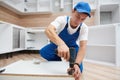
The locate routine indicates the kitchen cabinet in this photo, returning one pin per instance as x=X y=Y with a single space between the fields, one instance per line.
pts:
x=17 y=38
x=28 y=6
x=42 y=6
x=102 y=2
x=103 y=44
x=14 y=5
x=109 y=13
x=35 y=38
x=5 y=38
x=12 y=38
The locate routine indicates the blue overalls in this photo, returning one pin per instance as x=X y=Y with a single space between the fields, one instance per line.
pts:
x=48 y=52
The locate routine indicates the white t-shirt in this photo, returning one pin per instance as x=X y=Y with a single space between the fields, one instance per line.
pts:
x=60 y=23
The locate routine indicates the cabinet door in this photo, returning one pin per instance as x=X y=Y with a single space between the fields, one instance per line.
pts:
x=30 y=5
x=15 y=5
x=5 y=38
x=44 y=6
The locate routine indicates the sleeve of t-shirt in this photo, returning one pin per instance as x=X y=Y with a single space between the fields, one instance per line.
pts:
x=59 y=23
x=84 y=32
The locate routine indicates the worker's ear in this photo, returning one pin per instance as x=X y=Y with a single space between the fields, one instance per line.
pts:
x=73 y=10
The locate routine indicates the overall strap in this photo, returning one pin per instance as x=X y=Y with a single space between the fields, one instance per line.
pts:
x=79 y=27
x=67 y=22
x=67 y=18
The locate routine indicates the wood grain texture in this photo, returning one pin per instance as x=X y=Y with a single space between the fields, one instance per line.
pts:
x=34 y=20
x=45 y=19
x=9 y=16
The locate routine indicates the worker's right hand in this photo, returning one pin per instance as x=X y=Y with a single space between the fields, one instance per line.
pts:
x=63 y=51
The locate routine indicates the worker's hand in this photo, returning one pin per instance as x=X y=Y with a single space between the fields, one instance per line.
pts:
x=77 y=72
x=63 y=51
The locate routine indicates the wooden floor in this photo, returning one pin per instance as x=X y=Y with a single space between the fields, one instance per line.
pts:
x=91 y=71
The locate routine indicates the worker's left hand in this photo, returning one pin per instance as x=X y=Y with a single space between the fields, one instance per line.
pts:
x=77 y=72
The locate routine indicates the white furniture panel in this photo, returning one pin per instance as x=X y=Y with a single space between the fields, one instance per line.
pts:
x=18 y=38
x=117 y=45
x=27 y=70
x=28 y=6
x=109 y=1
x=101 y=53
x=22 y=38
x=109 y=13
x=38 y=6
x=102 y=35
x=5 y=38
x=30 y=68
x=103 y=44
x=12 y=38
x=13 y=77
x=14 y=5
x=44 y=6
x=35 y=39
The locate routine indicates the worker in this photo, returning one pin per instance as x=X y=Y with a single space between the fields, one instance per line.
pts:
x=65 y=32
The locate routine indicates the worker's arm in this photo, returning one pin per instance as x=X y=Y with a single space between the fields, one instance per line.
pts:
x=81 y=51
x=63 y=50
x=79 y=58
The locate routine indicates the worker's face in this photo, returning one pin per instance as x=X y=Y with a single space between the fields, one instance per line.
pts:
x=77 y=18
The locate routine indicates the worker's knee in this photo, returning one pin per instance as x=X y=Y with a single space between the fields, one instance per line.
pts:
x=49 y=56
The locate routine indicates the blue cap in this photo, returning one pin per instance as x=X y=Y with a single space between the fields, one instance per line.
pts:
x=83 y=7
